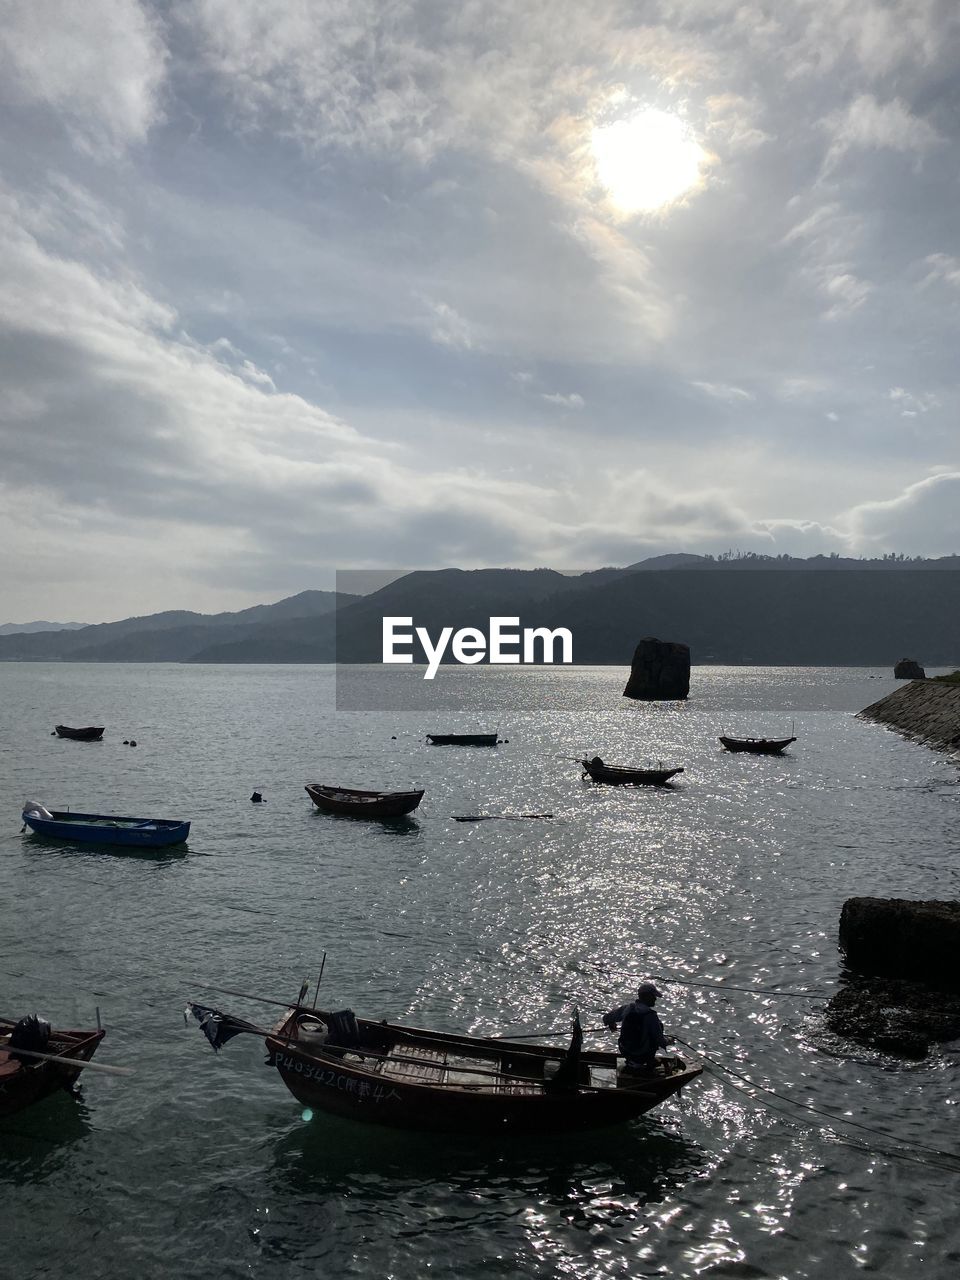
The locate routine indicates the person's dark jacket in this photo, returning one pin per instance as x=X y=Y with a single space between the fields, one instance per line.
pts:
x=641 y=1032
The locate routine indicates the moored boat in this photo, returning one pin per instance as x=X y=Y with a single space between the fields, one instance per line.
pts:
x=351 y=803
x=463 y=739
x=412 y=1078
x=621 y=775
x=99 y=828
x=756 y=746
x=91 y=733
x=26 y=1079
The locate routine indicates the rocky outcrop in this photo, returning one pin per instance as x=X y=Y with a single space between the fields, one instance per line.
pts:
x=659 y=672
x=902 y=938
x=892 y=1016
x=904 y=991
x=907 y=669
x=927 y=711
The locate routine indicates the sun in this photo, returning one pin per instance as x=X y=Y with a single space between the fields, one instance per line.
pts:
x=647 y=161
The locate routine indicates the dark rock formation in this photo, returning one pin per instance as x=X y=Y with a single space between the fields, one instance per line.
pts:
x=894 y=1016
x=660 y=671
x=906 y=991
x=907 y=669
x=896 y=937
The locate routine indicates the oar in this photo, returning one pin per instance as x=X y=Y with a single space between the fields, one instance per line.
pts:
x=72 y=1063
x=497 y=817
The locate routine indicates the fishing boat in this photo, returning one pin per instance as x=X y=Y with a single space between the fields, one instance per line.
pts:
x=463 y=739
x=352 y=803
x=92 y=733
x=100 y=828
x=756 y=746
x=412 y=1078
x=620 y=775
x=39 y=1072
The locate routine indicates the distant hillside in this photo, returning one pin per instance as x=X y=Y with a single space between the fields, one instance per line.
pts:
x=728 y=612
x=733 y=609
x=173 y=636
x=30 y=628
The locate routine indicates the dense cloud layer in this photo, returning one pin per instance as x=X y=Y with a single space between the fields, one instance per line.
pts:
x=288 y=286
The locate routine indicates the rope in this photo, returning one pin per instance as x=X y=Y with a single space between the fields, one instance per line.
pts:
x=722 y=1069
x=712 y=986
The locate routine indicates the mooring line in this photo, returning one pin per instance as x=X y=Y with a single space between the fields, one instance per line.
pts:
x=839 y=1121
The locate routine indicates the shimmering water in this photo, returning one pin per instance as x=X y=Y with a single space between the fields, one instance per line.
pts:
x=202 y=1166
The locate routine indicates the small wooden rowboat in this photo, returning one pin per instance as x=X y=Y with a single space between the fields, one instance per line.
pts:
x=92 y=733
x=412 y=1078
x=618 y=775
x=463 y=739
x=99 y=828
x=363 y=804
x=756 y=746
x=26 y=1080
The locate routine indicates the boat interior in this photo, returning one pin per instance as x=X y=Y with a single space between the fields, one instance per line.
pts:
x=411 y=1056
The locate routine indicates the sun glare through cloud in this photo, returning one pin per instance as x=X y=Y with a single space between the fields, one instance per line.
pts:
x=647 y=161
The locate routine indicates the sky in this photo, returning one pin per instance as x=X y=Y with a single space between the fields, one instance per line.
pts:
x=287 y=287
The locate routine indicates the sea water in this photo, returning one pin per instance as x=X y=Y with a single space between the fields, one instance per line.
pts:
x=201 y=1165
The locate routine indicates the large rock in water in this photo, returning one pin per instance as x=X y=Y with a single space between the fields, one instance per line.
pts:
x=907 y=669
x=659 y=672
x=906 y=988
x=901 y=938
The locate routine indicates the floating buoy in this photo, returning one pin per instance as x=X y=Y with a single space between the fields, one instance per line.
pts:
x=257 y=798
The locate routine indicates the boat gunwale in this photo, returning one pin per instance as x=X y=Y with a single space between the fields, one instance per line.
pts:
x=332 y=792
x=660 y=1087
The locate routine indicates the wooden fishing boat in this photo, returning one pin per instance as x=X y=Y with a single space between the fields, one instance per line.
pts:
x=363 y=804
x=100 y=828
x=620 y=775
x=756 y=746
x=413 y=1078
x=25 y=1080
x=92 y=733
x=463 y=739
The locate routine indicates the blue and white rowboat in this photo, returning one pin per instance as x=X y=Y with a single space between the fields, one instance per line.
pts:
x=99 y=828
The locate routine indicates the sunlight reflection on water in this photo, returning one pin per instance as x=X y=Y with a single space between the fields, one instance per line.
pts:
x=734 y=877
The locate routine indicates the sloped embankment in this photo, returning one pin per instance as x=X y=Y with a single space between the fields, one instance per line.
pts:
x=926 y=710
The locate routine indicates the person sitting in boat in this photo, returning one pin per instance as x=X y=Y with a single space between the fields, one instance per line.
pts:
x=641 y=1031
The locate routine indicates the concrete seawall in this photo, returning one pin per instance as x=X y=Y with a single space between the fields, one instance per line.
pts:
x=924 y=710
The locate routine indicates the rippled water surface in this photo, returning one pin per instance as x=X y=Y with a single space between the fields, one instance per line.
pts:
x=202 y=1166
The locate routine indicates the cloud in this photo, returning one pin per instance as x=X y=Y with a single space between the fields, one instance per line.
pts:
x=572 y=401
x=100 y=66
x=871 y=125
x=923 y=520
x=285 y=284
x=942 y=267
x=448 y=328
x=911 y=405
x=721 y=391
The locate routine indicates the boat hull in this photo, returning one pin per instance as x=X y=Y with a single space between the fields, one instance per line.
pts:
x=341 y=1083
x=92 y=733
x=23 y=1083
x=349 y=803
x=757 y=746
x=463 y=739
x=618 y=777
x=93 y=828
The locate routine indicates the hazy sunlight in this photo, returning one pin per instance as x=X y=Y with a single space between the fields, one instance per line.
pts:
x=647 y=161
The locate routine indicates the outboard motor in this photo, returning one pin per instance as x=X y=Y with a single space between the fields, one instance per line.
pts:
x=31 y=1032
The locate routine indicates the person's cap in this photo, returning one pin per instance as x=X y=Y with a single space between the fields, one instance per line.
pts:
x=646 y=990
